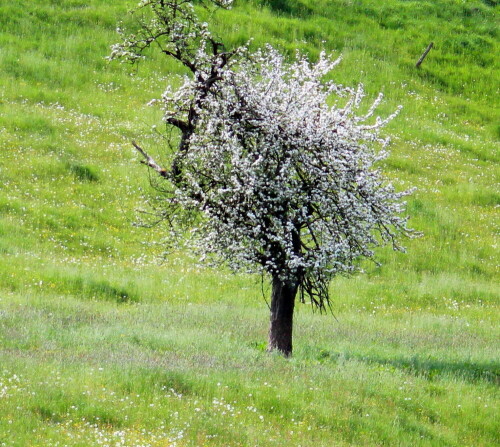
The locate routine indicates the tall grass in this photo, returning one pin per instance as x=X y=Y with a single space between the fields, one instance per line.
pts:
x=99 y=338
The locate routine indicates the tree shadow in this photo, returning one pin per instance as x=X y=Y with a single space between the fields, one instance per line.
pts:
x=428 y=368
x=288 y=8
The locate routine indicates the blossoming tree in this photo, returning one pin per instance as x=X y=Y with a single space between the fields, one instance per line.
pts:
x=277 y=174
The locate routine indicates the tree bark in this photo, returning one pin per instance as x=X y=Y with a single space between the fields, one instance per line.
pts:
x=282 y=305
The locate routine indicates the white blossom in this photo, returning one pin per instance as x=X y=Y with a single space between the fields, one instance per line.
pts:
x=270 y=161
x=275 y=171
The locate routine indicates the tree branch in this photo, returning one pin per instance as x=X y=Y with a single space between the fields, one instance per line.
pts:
x=180 y=124
x=149 y=161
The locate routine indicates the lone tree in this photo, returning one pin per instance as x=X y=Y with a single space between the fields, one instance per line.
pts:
x=269 y=177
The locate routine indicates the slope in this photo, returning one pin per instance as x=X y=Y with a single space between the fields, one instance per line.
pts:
x=90 y=317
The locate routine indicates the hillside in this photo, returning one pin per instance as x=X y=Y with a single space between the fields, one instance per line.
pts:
x=99 y=338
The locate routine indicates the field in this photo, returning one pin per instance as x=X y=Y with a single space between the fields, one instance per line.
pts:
x=105 y=341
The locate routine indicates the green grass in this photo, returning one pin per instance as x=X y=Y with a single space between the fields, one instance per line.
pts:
x=99 y=339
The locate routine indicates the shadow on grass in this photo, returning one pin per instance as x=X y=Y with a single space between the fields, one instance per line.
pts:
x=98 y=289
x=57 y=413
x=82 y=172
x=427 y=368
x=291 y=8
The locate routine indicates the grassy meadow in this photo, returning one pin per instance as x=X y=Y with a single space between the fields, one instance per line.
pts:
x=105 y=342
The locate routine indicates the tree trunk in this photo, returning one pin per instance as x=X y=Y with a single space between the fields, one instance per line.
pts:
x=282 y=304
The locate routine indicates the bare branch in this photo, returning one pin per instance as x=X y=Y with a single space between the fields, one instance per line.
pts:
x=149 y=161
